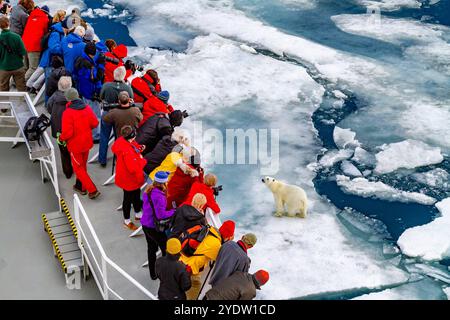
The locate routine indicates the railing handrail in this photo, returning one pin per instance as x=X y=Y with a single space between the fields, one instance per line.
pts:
x=105 y=258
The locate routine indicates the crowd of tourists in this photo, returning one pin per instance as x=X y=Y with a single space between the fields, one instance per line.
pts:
x=94 y=95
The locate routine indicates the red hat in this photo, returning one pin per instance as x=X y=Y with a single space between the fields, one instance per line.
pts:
x=227 y=229
x=262 y=276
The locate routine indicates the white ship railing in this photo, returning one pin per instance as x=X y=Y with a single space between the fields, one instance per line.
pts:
x=101 y=266
x=22 y=108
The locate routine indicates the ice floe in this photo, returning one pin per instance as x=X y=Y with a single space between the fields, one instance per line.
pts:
x=369 y=189
x=407 y=154
x=345 y=138
x=422 y=290
x=435 y=178
x=349 y=169
x=430 y=241
x=364 y=157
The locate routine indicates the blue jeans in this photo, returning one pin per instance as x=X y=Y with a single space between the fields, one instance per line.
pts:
x=95 y=106
x=105 y=135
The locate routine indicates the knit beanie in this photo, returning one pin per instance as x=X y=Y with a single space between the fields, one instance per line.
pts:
x=164 y=96
x=227 y=229
x=249 y=239
x=71 y=94
x=45 y=8
x=262 y=276
x=162 y=176
x=89 y=35
x=173 y=246
x=90 y=49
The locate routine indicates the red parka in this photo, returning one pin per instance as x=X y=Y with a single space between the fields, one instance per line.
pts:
x=120 y=52
x=179 y=186
x=35 y=29
x=199 y=187
x=153 y=106
x=78 y=120
x=130 y=164
x=141 y=88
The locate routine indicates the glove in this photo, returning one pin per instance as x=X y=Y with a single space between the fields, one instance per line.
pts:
x=61 y=143
x=194 y=173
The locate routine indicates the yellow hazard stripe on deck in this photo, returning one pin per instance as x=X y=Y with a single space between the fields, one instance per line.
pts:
x=66 y=211
x=53 y=240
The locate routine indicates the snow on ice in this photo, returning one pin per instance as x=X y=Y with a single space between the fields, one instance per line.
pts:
x=408 y=154
x=431 y=241
x=365 y=188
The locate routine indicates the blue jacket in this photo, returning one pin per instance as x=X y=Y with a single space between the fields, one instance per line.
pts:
x=73 y=48
x=101 y=47
x=54 y=45
x=88 y=74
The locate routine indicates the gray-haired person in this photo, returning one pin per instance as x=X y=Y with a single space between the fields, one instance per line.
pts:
x=56 y=106
x=110 y=95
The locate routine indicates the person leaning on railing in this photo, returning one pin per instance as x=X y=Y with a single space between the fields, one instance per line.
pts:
x=12 y=53
x=155 y=203
x=110 y=95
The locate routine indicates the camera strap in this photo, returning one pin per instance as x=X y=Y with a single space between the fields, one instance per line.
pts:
x=8 y=48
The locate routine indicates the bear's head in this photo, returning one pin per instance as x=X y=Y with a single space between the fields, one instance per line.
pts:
x=270 y=182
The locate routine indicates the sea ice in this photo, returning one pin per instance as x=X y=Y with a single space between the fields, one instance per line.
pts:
x=426 y=289
x=345 y=138
x=334 y=156
x=364 y=157
x=434 y=178
x=407 y=154
x=368 y=189
x=431 y=241
x=349 y=169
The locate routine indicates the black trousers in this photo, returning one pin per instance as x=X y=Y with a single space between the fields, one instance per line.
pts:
x=66 y=162
x=154 y=239
x=131 y=198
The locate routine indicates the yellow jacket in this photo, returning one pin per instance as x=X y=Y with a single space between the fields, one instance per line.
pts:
x=169 y=164
x=207 y=251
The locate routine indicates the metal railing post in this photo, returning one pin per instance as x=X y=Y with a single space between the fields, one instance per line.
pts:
x=105 y=279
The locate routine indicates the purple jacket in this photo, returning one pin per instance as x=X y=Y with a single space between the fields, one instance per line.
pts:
x=160 y=203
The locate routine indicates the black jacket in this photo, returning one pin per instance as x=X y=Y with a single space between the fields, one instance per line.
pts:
x=238 y=286
x=52 y=81
x=153 y=130
x=186 y=217
x=157 y=156
x=174 y=279
x=56 y=106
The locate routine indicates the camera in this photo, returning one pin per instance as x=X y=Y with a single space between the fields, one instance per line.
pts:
x=104 y=58
x=185 y=114
x=130 y=65
x=217 y=190
x=5 y=7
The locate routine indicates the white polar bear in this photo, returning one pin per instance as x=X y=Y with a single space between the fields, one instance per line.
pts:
x=292 y=196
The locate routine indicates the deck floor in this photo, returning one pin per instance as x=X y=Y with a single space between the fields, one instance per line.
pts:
x=28 y=269
x=128 y=253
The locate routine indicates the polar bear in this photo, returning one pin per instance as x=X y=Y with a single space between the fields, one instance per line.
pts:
x=292 y=196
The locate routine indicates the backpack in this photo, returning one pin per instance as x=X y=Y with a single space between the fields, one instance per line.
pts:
x=160 y=225
x=35 y=127
x=192 y=237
